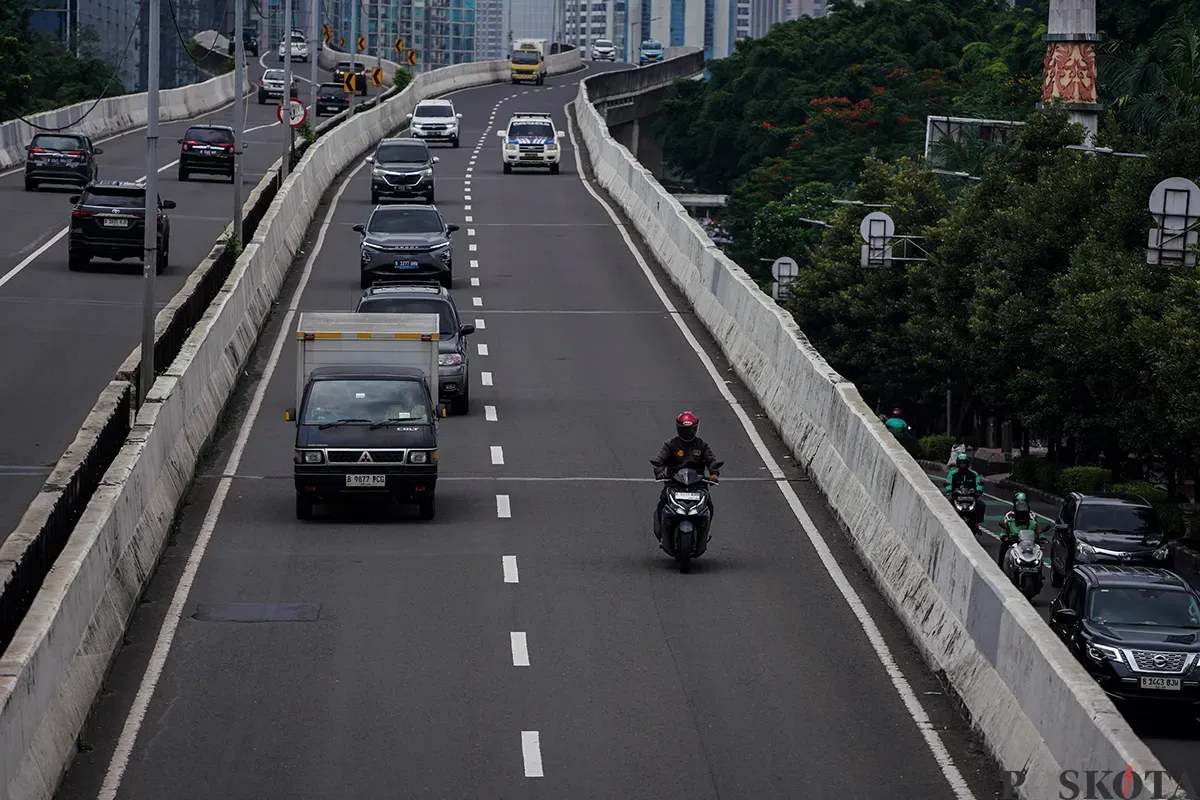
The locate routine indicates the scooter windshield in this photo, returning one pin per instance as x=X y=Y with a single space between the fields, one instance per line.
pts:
x=688 y=477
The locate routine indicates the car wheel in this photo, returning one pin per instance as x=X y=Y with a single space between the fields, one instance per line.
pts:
x=261 y=100
x=183 y=174
x=447 y=280
x=427 y=507
x=163 y=258
x=1056 y=580
x=459 y=406
x=364 y=281
x=304 y=507
x=30 y=186
x=429 y=198
x=554 y=169
x=78 y=260
x=455 y=141
x=508 y=169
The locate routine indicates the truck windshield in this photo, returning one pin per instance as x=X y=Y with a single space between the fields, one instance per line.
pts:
x=525 y=57
x=371 y=399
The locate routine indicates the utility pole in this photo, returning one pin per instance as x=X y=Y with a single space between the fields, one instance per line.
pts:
x=150 y=232
x=286 y=100
x=353 y=51
x=314 y=50
x=379 y=34
x=239 y=116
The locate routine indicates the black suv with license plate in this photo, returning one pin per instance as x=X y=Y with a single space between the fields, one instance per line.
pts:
x=60 y=158
x=108 y=221
x=207 y=149
x=331 y=99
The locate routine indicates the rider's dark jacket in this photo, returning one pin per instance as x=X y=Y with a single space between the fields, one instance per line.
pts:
x=676 y=454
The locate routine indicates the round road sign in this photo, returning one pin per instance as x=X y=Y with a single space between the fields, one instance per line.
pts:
x=785 y=268
x=297 y=113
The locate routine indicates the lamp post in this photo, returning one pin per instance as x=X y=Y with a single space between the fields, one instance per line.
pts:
x=150 y=228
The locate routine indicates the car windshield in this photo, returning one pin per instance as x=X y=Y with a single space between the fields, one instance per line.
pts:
x=1132 y=606
x=57 y=143
x=434 y=111
x=603 y=43
x=447 y=325
x=415 y=153
x=405 y=220
x=1107 y=518
x=373 y=400
x=114 y=198
x=525 y=57
x=273 y=75
x=651 y=44
x=538 y=130
x=331 y=90
x=209 y=136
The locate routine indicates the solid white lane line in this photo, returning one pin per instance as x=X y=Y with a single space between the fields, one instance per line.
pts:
x=477 y=302
x=489 y=413
x=531 y=750
x=480 y=325
x=503 y=507
x=485 y=378
x=474 y=264
x=510 y=569
x=483 y=349
x=932 y=740
x=497 y=454
x=474 y=281
x=162 y=647
x=520 y=648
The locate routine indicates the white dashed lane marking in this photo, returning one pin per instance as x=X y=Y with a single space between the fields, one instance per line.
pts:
x=510 y=569
x=503 y=508
x=483 y=349
x=497 y=454
x=520 y=649
x=477 y=302
x=485 y=378
x=531 y=749
x=489 y=413
x=474 y=281
x=479 y=325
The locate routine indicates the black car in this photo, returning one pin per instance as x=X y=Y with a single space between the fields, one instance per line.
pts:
x=60 y=158
x=108 y=221
x=406 y=240
x=430 y=297
x=1136 y=630
x=402 y=169
x=366 y=432
x=343 y=67
x=206 y=149
x=331 y=99
x=1106 y=528
x=249 y=42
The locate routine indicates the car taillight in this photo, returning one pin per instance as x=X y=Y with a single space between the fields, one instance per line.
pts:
x=76 y=153
x=82 y=212
x=37 y=151
x=260 y=83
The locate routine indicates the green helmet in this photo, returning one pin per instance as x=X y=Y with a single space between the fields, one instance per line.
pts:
x=1020 y=498
x=962 y=460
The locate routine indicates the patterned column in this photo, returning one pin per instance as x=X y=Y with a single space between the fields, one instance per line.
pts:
x=1069 y=71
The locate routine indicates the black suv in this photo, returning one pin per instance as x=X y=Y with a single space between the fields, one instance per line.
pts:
x=1106 y=528
x=249 y=42
x=109 y=220
x=406 y=240
x=60 y=158
x=1136 y=630
x=343 y=67
x=402 y=168
x=207 y=149
x=331 y=99
x=429 y=297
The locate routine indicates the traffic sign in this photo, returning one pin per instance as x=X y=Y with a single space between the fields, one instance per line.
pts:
x=350 y=82
x=377 y=76
x=342 y=42
x=412 y=58
x=296 y=112
x=362 y=43
x=328 y=37
x=398 y=45
x=785 y=268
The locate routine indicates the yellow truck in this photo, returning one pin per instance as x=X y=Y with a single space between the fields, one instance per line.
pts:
x=527 y=61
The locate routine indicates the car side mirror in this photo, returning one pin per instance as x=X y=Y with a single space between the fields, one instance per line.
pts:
x=467 y=329
x=289 y=415
x=408 y=116
x=74 y=199
x=441 y=410
x=451 y=228
x=168 y=204
x=98 y=152
x=436 y=159
x=1061 y=527
x=179 y=141
x=559 y=134
x=370 y=159
x=500 y=134
x=360 y=228
x=1066 y=616
x=458 y=116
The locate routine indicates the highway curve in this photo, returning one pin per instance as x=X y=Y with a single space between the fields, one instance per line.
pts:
x=63 y=334
x=391 y=668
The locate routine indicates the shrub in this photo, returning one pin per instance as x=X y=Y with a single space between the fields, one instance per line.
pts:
x=1084 y=479
x=1152 y=493
x=1025 y=469
x=936 y=447
x=1048 y=474
x=401 y=78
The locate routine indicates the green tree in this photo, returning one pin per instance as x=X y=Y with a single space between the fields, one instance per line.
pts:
x=1155 y=81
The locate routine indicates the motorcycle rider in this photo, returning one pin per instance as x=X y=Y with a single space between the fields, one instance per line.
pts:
x=1019 y=519
x=896 y=425
x=963 y=476
x=685 y=450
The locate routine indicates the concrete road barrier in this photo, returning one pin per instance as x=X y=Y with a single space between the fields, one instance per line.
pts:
x=113 y=115
x=1037 y=708
x=52 y=671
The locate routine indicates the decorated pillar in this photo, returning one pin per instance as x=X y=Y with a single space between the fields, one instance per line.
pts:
x=1069 y=71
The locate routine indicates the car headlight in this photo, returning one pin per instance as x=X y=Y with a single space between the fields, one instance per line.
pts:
x=427 y=172
x=1084 y=549
x=367 y=255
x=1161 y=553
x=449 y=359
x=1102 y=652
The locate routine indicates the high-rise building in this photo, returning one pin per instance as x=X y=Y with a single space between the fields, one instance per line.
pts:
x=491 y=33
x=442 y=32
x=532 y=19
x=714 y=25
x=599 y=19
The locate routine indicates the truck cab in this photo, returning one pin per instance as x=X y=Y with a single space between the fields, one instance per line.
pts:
x=367 y=415
x=527 y=62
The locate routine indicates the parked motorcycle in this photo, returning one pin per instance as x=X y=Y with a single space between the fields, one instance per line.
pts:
x=1023 y=564
x=964 y=501
x=686 y=516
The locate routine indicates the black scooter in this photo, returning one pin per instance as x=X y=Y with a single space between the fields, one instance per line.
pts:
x=687 y=516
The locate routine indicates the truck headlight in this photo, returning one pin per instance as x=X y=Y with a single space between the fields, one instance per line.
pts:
x=512 y=147
x=449 y=359
x=309 y=457
x=551 y=147
x=418 y=457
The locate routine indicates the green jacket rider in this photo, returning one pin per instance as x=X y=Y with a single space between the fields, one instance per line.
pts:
x=963 y=475
x=1019 y=519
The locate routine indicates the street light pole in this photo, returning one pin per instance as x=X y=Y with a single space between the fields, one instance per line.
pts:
x=314 y=52
x=239 y=115
x=286 y=100
x=353 y=50
x=150 y=228
x=379 y=33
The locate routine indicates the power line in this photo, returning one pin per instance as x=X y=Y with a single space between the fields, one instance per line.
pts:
x=179 y=33
x=103 y=92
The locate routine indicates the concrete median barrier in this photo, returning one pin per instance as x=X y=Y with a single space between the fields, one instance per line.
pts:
x=113 y=115
x=51 y=672
x=1037 y=709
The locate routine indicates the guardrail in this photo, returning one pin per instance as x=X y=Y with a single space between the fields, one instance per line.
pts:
x=1037 y=708
x=53 y=667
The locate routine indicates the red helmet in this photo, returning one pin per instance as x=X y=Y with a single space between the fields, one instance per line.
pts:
x=686 y=424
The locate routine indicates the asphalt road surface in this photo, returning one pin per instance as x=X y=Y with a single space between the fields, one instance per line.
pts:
x=531 y=641
x=63 y=334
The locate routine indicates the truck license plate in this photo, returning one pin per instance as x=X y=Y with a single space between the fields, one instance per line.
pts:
x=406 y=265
x=357 y=481
x=1172 y=684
